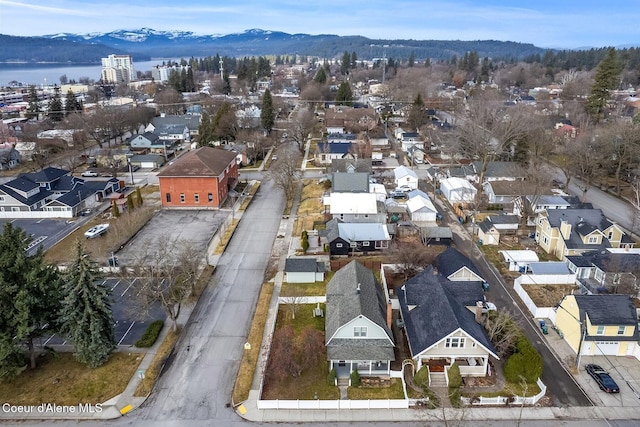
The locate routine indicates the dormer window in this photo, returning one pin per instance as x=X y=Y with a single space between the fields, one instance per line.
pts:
x=359 y=331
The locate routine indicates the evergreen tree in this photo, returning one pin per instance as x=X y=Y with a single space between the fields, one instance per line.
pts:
x=344 y=64
x=418 y=113
x=33 y=110
x=606 y=79
x=321 y=76
x=138 y=197
x=55 y=108
x=412 y=59
x=114 y=209
x=226 y=87
x=29 y=300
x=71 y=104
x=267 y=115
x=130 y=204
x=86 y=314
x=344 y=96
x=205 y=131
x=354 y=59
x=427 y=63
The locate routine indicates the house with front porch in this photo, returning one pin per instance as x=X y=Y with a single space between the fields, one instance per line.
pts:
x=440 y=329
x=358 y=323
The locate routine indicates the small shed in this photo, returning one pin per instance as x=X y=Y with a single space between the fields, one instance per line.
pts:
x=520 y=260
x=488 y=234
x=303 y=270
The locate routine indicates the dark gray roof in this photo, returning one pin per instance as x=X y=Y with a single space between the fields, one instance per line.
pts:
x=485 y=225
x=350 y=182
x=549 y=267
x=344 y=165
x=192 y=121
x=579 y=260
x=583 y=222
x=501 y=169
x=609 y=262
x=466 y=293
x=48 y=174
x=451 y=260
x=504 y=219
x=607 y=309
x=361 y=349
x=303 y=265
x=22 y=183
x=345 y=303
x=436 y=232
x=431 y=313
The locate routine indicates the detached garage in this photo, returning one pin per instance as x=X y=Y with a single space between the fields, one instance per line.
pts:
x=303 y=270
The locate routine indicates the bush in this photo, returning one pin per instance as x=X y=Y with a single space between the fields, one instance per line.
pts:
x=151 y=334
x=304 y=235
x=305 y=245
x=331 y=377
x=355 y=379
x=455 y=379
x=421 y=378
x=454 y=397
x=525 y=363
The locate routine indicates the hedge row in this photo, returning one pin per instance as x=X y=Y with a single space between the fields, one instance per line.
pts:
x=151 y=334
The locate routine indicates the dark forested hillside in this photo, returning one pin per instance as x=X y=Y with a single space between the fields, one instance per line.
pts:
x=40 y=49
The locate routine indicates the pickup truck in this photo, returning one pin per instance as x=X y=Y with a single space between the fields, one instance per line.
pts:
x=89 y=174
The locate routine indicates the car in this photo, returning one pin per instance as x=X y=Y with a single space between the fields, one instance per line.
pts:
x=404 y=188
x=488 y=306
x=397 y=194
x=602 y=377
x=96 y=231
x=89 y=173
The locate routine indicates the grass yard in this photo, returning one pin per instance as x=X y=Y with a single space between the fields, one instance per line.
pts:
x=60 y=379
x=226 y=237
x=303 y=289
x=548 y=295
x=312 y=382
x=151 y=374
x=510 y=389
x=310 y=208
x=250 y=357
x=394 y=391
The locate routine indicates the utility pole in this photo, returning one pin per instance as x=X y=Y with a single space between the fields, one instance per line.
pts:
x=221 y=69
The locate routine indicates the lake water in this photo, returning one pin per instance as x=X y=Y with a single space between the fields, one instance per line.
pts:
x=39 y=74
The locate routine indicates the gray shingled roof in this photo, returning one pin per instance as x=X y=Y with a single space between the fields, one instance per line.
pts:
x=431 y=313
x=303 y=265
x=204 y=161
x=345 y=303
x=354 y=182
x=607 y=309
x=501 y=170
x=451 y=260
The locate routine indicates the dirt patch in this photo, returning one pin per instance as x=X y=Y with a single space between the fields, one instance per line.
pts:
x=548 y=295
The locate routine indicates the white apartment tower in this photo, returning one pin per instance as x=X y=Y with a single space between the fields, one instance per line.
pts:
x=118 y=68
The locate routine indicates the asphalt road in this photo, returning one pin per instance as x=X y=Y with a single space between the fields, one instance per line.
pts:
x=196 y=387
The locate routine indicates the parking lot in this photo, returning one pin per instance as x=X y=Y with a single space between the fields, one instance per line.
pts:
x=625 y=371
x=45 y=232
x=130 y=322
x=196 y=227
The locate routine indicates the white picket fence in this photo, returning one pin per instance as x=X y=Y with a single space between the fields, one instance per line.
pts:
x=501 y=400
x=334 y=404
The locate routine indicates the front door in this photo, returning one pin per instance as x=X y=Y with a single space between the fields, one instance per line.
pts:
x=437 y=365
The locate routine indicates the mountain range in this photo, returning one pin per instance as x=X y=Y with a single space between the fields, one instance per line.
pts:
x=146 y=43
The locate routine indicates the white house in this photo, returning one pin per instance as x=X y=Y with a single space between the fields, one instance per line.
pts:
x=405 y=176
x=519 y=260
x=458 y=190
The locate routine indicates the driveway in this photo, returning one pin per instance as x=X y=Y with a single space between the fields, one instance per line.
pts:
x=194 y=226
x=624 y=370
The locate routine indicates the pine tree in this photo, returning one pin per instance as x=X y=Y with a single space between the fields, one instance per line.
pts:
x=344 y=64
x=29 y=300
x=114 y=208
x=130 y=205
x=321 y=76
x=267 y=115
x=86 y=314
x=606 y=79
x=33 y=110
x=55 y=108
x=344 y=96
x=412 y=59
x=70 y=102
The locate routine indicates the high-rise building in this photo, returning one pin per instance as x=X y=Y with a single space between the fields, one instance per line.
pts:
x=118 y=69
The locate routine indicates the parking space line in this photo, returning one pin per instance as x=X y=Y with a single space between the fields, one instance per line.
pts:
x=114 y=286
x=50 y=338
x=125 y=334
x=125 y=291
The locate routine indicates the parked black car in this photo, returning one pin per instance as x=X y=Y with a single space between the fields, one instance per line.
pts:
x=602 y=377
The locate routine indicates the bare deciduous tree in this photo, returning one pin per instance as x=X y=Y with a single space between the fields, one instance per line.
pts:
x=285 y=171
x=165 y=273
x=282 y=356
x=292 y=297
x=409 y=258
x=502 y=331
x=301 y=125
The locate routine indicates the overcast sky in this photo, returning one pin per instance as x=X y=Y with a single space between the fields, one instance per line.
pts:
x=545 y=23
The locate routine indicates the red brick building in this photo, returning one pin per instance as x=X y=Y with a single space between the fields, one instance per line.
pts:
x=200 y=178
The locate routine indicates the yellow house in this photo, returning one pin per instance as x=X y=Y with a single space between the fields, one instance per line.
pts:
x=595 y=325
x=567 y=232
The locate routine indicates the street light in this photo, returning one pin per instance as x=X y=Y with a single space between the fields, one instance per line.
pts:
x=130 y=169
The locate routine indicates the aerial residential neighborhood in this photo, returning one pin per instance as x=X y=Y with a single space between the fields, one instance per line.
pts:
x=348 y=237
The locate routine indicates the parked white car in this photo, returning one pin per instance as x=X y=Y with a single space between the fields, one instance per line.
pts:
x=89 y=173
x=96 y=231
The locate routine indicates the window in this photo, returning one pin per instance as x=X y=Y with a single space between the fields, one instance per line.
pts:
x=210 y=197
x=168 y=197
x=338 y=245
x=182 y=198
x=545 y=240
x=600 y=330
x=359 y=331
x=610 y=236
x=454 y=342
x=621 y=330
x=1 y=198
x=196 y=198
x=593 y=239
x=365 y=243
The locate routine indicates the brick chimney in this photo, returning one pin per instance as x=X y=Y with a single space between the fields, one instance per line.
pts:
x=389 y=314
x=479 y=311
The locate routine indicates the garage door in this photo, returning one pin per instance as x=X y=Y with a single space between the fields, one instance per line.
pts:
x=610 y=348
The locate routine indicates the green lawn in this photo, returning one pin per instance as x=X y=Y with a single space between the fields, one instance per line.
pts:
x=394 y=391
x=510 y=389
x=306 y=289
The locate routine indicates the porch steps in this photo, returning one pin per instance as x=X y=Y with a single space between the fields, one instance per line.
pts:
x=343 y=382
x=438 y=380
